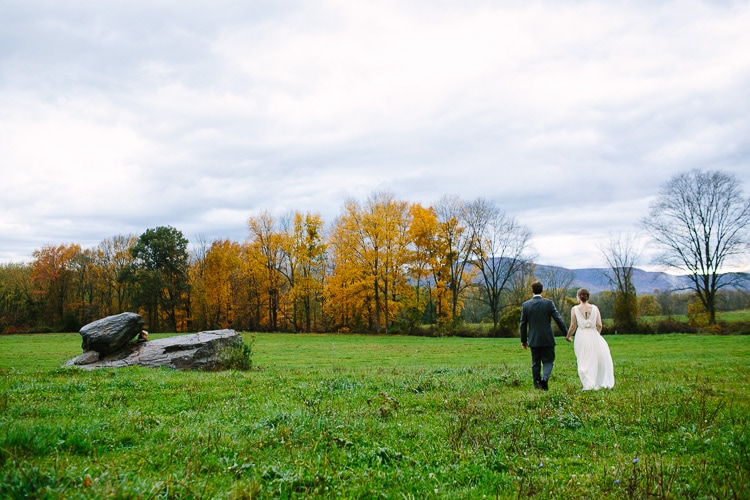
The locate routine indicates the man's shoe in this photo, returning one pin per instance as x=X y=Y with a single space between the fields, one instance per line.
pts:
x=545 y=384
x=538 y=384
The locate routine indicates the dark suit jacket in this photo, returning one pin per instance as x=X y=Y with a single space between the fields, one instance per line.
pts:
x=536 y=315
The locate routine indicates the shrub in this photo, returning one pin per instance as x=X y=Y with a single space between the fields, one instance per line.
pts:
x=626 y=312
x=728 y=328
x=697 y=313
x=509 y=324
x=234 y=357
x=13 y=330
x=69 y=323
x=674 y=326
x=638 y=328
x=740 y=327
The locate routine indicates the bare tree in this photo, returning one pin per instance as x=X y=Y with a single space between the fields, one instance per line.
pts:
x=499 y=246
x=557 y=281
x=456 y=236
x=520 y=285
x=701 y=220
x=622 y=253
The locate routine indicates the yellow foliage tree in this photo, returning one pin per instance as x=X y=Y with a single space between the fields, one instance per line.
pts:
x=424 y=264
x=648 y=306
x=221 y=272
x=266 y=254
x=305 y=250
x=371 y=251
x=456 y=242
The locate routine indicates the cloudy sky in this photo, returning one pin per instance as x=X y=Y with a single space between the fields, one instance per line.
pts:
x=116 y=117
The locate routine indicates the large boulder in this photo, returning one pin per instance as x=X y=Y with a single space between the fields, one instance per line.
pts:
x=110 y=334
x=198 y=351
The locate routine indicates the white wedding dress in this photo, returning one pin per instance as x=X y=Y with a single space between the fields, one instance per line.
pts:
x=595 y=366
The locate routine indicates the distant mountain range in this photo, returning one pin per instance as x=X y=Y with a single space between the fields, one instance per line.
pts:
x=646 y=282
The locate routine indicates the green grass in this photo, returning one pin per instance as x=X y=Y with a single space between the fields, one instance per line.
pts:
x=734 y=315
x=379 y=417
x=728 y=316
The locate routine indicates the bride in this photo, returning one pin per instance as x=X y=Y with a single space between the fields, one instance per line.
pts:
x=595 y=366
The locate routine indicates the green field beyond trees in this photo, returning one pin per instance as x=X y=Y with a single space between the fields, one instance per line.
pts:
x=350 y=416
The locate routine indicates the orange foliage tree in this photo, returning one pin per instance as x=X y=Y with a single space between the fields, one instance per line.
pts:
x=52 y=276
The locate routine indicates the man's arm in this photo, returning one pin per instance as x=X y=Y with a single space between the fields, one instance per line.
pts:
x=524 y=328
x=558 y=319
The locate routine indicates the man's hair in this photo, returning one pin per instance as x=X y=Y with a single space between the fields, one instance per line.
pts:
x=537 y=287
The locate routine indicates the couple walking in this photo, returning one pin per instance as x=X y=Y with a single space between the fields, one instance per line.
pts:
x=595 y=367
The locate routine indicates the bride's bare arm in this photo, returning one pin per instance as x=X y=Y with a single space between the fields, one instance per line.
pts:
x=573 y=325
x=598 y=320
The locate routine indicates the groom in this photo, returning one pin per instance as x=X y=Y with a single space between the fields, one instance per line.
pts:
x=536 y=333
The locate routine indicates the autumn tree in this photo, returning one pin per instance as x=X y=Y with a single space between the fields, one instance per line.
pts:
x=648 y=306
x=392 y=218
x=456 y=241
x=249 y=313
x=305 y=267
x=500 y=242
x=422 y=264
x=346 y=291
x=16 y=297
x=221 y=277
x=701 y=222
x=83 y=307
x=266 y=252
x=199 y=313
x=112 y=258
x=370 y=243
x=52 y=276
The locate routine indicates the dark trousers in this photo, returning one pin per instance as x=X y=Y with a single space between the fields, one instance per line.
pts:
x=542 y=356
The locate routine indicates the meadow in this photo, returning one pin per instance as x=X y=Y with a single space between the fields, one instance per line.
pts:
x=350 y=416
x=742 y=315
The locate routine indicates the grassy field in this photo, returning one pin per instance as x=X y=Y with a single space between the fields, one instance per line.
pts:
x=347 y=416
x=728 y=316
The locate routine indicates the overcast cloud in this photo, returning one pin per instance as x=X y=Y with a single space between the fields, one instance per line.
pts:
x=116 y=117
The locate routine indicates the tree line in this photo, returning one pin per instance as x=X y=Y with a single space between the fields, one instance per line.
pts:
x=383 y=265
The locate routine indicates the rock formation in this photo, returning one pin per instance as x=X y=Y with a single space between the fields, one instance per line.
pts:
x=198 y=351
x=110 y=334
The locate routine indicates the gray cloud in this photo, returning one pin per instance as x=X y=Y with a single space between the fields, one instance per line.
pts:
x=569 y=115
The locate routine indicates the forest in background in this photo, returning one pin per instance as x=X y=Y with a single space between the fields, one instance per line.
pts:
x=383 y=266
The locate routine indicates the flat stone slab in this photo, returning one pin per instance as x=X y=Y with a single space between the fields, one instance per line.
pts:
x=197 y=351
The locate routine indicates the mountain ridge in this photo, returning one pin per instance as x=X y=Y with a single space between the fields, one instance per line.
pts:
x=595 y=279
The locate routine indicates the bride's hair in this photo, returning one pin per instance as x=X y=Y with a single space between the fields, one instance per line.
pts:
x=583 y=294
